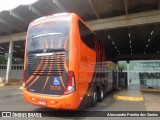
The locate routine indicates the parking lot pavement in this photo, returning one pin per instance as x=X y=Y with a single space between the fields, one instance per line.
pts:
x=152 y=101
x=11 y=99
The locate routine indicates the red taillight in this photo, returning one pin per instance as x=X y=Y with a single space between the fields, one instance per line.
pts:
x=70 y=87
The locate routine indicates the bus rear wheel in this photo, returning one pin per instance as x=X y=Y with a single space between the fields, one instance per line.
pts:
x=100 y=94
x=94 y=99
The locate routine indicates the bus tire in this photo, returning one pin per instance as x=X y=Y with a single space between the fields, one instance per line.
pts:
x=94 y=98
x=100 y=94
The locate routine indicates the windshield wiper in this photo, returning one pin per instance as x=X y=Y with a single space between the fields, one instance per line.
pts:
x=36 y=51
x=47 y=34
x=46 y=50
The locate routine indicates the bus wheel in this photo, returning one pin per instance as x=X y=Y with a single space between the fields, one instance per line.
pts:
x=100 y=94
x=94 y=98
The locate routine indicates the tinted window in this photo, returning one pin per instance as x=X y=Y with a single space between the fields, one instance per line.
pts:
x=51 y=34
x=14 y=67
x=17 y=67
x=60 y=26
x=20 y=67
x=86 y=35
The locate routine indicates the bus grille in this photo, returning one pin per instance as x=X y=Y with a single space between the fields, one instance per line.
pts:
x=46 y=65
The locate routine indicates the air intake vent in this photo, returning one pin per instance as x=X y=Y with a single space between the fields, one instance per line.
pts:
x=46 y=65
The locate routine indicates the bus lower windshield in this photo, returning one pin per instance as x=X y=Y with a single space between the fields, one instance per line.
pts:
x=56 y=41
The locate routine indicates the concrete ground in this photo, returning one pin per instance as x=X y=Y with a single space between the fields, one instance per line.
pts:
x=151 y=101
x=11 y=99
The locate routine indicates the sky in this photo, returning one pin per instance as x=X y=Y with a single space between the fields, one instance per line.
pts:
x=11 y=4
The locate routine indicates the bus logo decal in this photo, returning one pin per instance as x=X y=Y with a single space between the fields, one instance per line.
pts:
x=56 y=81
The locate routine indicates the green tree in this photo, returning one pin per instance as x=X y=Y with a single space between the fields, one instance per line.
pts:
x=3 y=60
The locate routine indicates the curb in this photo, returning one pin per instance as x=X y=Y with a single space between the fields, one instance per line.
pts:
x=21 y=87
x=8 y=84
x=128 y=98
x=11 y=84
x=1 y=85
x=150 y=90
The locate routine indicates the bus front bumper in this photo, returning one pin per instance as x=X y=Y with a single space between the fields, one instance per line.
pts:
x=56 y=102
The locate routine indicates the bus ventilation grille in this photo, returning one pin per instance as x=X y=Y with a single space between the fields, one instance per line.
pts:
x=46 y=65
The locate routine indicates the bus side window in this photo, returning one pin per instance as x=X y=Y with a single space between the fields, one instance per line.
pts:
x=86 y=35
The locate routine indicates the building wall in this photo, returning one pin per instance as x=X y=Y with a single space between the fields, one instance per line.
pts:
x=16 y=72
x=145 y=73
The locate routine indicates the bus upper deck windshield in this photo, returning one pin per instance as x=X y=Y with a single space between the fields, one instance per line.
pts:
x=48 y=35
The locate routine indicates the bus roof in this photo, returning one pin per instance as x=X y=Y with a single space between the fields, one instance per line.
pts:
x=58 y=16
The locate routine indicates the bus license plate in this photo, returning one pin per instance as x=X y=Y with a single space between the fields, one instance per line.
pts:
x=42 y=102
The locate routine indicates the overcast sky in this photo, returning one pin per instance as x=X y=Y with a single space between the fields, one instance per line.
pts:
x=11 y=4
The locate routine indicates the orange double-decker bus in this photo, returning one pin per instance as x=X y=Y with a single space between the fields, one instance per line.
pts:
x=64 y=65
